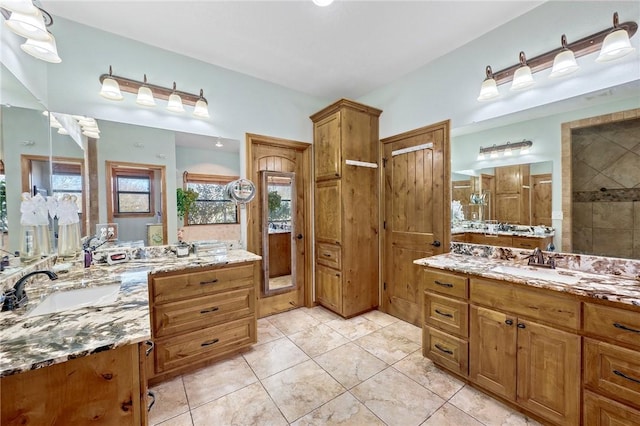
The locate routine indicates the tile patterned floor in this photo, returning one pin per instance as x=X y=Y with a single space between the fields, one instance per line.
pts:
x=311 y=367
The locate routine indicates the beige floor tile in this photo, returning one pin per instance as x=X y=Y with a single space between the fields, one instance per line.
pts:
x=321 y=314
x=171 y=400
x=291 y=322
x=343 y=410
x=448 y=415
x=387 y=345
x=488 y=410
x=301 y=389
x=380 y=317
x=181 y=420
x=267 y=332
x=219 y=379
x=425 y=372
x=272 y=357
x=407 y=330
x=396 y=399
x=354 y=328
x=350 y=364
x=318 y=340
x=248 y=406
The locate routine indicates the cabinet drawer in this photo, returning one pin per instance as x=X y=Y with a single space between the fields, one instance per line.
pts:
x=612 y=371
x=446 y=350
x=329 y=255
x=188 y=285
x=529 y=243
x=445 y=283
x=188 y=348
x=491 y=240
x=193 y=314
x=612 y=323
x=447 y=314
x=601 y=411
x=540 y=305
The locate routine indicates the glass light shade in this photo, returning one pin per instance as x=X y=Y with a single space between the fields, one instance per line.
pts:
x=481 y=156
x=175 y=103
x=522 y=78
x=145 y=97
x=494 y=154
x=93 y=129
x=488 y=90
x=20 y=6
x=87 y=121
x=322 y=3
x=564 y=64
x=89 y=134
x=615 y=45
x=62 y=131
x=507 y=152
x=43 y=50
x=524 y=150
x=202 y=109
x=53 y=122
x=29 y=25
x=111 y=90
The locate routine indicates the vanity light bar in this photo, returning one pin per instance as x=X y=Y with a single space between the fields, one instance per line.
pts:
x=495 y=149
x=132 y=86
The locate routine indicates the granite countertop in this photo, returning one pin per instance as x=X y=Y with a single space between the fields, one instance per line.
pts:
x=586 y=276
x=528 y=234
x=28 y=343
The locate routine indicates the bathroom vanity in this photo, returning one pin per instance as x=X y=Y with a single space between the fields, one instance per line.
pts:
x=91 y=364
x=561 y=344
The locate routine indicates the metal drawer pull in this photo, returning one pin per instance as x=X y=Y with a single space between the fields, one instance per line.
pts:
x=209 y=282
x=521 y=325
x=443 y=284
x=206 y=311
x=444 y=314
x=150 y=348
x=624 y=327
x=508 y=322
x=624 y=376
x=441 y=349
x=151 y=395
x=326 y=254
x=210 y=342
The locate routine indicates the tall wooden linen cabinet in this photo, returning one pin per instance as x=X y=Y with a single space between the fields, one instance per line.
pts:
x=347 y=189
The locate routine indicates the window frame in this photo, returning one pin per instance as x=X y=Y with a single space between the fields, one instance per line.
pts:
x=117 y=172
x=208 y=179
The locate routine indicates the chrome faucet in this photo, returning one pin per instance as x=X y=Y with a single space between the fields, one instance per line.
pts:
x=17 y=297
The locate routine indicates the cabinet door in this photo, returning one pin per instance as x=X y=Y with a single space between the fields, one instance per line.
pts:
x=328 y=209
x=549 y=372
x=492 y=351
x=329 y=288
x=508 y=208
x=327 y=147
x=508 y=179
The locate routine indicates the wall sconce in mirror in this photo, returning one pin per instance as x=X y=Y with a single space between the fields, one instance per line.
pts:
x=612 y=42
x=505 y=150
x=30 y=21
x=146 y=94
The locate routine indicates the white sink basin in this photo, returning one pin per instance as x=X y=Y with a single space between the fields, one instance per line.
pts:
x=75 y=299
x=540 y=274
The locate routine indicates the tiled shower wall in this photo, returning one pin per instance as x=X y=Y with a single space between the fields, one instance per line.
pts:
x=606 y=189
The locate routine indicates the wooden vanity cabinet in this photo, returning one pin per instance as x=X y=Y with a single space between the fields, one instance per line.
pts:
x=106 y=388
x=346 y=207
x=512 y=201
x=200 y=316
x=445 y=331
x=611 y=365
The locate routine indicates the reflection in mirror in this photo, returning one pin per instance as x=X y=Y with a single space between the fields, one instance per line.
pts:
x=518 y=194
x=277 y=207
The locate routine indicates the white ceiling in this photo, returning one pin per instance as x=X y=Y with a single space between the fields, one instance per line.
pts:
x=346 y=49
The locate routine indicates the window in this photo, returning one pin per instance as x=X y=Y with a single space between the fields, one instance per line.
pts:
x=133 y=192
x=212 y=205
x=67 y=179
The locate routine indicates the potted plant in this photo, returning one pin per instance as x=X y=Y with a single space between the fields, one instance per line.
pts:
x=185 y=199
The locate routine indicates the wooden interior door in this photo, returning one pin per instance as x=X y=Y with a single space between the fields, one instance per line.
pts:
x=541 y=199
x=416 y=214
x=266 y=153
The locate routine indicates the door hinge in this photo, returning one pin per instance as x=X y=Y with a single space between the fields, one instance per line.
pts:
x=384 y=286
x=384 y=161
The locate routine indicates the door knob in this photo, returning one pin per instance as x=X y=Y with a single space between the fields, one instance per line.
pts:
x=436 y=243
x=299 y=236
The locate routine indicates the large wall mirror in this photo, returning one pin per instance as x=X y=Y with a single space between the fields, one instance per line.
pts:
x=38 y=157
x=277 y=204
x=591 y=142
